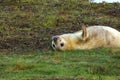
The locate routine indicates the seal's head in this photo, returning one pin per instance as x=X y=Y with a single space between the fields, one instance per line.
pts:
x=59 y=43
x=69 y=41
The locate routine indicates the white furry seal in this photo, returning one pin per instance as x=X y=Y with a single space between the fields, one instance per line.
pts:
x=87 y=38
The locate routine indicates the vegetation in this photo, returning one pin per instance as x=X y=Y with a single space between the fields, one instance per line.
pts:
x=26 y=27
x=99 y=64
x=29 y=24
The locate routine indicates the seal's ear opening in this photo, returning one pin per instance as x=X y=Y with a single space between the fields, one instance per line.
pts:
x=84 y=32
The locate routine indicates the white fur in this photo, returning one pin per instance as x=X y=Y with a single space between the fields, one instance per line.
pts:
x=97 y=36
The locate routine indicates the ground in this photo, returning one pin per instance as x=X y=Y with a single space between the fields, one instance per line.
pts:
x=26 y=28
x=29 y=24
x=97 y=64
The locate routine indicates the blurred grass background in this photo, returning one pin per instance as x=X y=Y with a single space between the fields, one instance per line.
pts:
x=96 y=64
x=29 y=24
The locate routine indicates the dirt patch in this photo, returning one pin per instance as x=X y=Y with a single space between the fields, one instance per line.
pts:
x=39 y=38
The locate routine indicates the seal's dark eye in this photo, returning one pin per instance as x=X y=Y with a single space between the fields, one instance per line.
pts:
x=62 y=44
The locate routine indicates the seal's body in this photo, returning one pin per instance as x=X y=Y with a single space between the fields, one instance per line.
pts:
x=87 y=38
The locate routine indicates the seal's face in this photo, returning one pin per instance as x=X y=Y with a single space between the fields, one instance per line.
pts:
x=58 y=43
x=69 y=41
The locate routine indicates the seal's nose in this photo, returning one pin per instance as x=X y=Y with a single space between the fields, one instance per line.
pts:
x=54 y=38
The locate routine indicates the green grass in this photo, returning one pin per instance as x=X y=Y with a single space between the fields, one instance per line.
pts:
x=98 y=64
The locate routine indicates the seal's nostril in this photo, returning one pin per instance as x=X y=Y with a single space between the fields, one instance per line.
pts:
x=53 y=45
x=54 y=38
